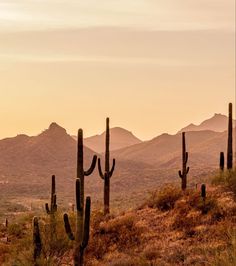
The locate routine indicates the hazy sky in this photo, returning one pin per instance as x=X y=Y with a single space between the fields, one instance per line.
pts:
x=153 y=66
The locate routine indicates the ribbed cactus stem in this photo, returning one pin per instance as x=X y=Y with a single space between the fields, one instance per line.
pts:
x=185 y=169
x=222 y=161
x=37 y=243
x=81 y=236
x=108 y=172
x=230 y=139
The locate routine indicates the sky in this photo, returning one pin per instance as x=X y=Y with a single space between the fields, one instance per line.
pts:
x=152 y=66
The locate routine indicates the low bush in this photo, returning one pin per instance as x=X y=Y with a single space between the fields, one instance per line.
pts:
x=165 y=198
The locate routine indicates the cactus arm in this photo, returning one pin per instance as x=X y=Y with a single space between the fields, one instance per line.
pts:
x=187 y=170
x=180 y=174
x=92 y=167
x=68 y=227
x=86 y=223
x=186 y=157
x=78 y=195
x=100 y=169
x=113 y=168
x=47 y=208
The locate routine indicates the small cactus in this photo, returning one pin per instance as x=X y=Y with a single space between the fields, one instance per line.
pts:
x=222 y=161
x=230 y=139
x=37 y=243
x=203 y=195
x=6 y=223
x=81 y=236
x=185 y=169
x=203 y=192
x=108 y=172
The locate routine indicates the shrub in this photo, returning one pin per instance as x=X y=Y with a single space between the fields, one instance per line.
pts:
x=165 y=198
x=115 y=234
x=227 y=179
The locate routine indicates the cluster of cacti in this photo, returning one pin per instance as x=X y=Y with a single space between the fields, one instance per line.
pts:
x=185 y=169
x=81 y=235
x=229 y=144
x=108 y=172
x=83 y=210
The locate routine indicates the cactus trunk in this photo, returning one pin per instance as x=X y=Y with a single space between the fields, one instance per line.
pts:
x=185 y=169
x=106 y=195
x=230 y=139
x=36 y=241
x=52 y=210
x=108 y=173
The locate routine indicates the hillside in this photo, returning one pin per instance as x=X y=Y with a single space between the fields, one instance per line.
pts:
x=165 y=150
x=169 y=229
x=27 y=163
x=217 y=123
x=120 y=138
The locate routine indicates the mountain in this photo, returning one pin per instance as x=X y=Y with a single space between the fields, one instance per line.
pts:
x=119 y=138
x=27 y=163
x=217 y=123
x=164 y=151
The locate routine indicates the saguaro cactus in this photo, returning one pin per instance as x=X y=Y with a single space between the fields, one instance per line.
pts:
x=81 y=236
x=222 y=161
x=203 y=192
x=52 y=209
x=203 y=195
x=185 y=169
x=37 y=243
x=230 y=139
x=53 y=205
x=108 y=172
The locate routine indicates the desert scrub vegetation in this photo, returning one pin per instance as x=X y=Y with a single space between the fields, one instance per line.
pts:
x=176 y=233
x=228 y=256
x=165 y=198
x=226 y=179
x=21 y=246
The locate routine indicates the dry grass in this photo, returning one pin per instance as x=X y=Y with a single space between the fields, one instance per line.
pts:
x=171 y=229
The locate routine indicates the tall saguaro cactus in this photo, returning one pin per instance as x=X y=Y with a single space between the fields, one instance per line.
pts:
x=230 y=139
x=37 y=243
x=81 y=236
x=53 y=205
x=185 y=169
x=108 y=172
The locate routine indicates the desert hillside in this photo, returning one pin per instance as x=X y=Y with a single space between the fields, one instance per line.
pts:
x=169 y=228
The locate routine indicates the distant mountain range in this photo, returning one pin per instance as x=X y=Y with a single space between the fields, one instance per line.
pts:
x=26 y=163
x=217 y=123
x=120 y=138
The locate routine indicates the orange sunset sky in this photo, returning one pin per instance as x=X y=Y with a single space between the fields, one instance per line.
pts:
x=152 y=66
